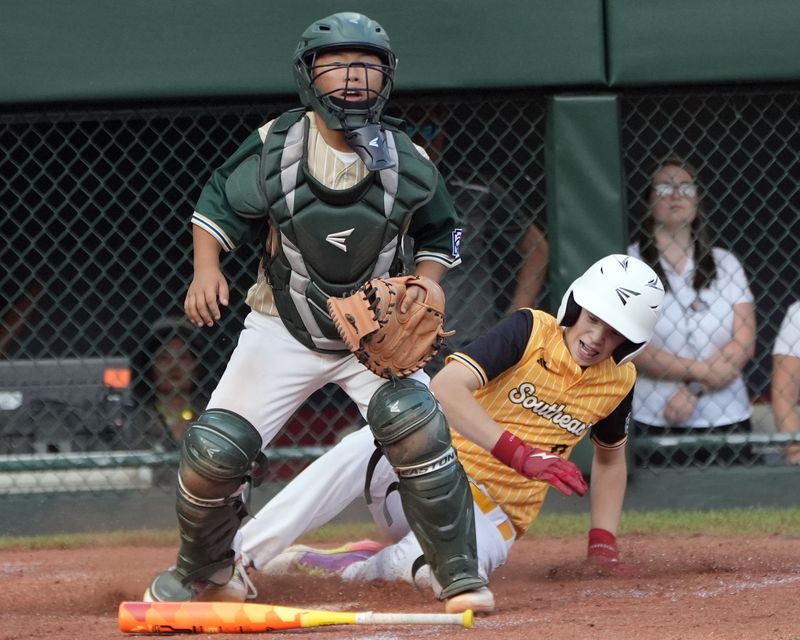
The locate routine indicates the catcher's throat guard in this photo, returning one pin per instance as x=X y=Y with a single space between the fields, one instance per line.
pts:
x=387 y=341
x=369 y=142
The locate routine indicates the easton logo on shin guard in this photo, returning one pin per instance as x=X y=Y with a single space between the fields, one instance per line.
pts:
x=442 y=461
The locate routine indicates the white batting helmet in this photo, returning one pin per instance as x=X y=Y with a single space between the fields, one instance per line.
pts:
x=624 y=293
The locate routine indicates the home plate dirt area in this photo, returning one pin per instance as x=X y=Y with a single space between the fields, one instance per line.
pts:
x=686 y=588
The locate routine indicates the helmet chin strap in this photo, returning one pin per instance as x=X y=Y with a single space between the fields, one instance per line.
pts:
x=369 y=142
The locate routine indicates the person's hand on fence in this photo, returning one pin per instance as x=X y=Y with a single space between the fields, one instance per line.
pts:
x=792 y=454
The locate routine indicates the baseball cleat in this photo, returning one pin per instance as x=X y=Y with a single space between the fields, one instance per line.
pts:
x=480 y=601
x=169 y=587
x=321 y=562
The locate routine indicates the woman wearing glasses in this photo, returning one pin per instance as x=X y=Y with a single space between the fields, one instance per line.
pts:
x=690 y=376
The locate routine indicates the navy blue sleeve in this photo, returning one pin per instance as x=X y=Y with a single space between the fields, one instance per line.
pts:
x=614 y=427
x=502 y=346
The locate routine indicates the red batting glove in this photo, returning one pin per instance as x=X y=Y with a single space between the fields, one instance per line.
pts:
x=603 y=554
x=539 y=465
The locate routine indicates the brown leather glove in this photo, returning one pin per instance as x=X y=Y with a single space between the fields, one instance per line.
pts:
x=383 y=338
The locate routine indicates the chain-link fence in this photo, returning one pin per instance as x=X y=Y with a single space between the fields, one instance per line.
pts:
x=745 y=148
x=99 y=376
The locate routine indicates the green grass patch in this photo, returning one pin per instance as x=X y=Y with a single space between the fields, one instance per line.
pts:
x=727 y=522
x=167 y=537
x=142 y=538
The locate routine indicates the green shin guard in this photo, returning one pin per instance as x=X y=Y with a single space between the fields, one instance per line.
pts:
x=206 y=536
x=406 y=420
x=439 y=510
x=217 y=454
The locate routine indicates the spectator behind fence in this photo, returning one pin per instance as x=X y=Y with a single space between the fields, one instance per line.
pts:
x=168 y=398
x=691 y=373
x=504 y=254
x=21 y=296
x=786 y=379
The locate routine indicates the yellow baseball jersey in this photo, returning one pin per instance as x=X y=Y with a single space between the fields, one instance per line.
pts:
x=532 y=387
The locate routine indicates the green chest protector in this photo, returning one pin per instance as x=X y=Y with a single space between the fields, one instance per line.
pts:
x=331 y=241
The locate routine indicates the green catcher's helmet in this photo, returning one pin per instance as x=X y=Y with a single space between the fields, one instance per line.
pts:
x=351 y=31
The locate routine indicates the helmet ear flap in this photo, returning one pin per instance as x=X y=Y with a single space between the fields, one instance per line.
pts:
x=626 y=351
x=572 y=310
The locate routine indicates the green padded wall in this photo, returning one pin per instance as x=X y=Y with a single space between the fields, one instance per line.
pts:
x=685 y=41
x=96 y=50
x=585 y=202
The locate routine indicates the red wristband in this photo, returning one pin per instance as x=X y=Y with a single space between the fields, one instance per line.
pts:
x=602 y=543
x=506 y=447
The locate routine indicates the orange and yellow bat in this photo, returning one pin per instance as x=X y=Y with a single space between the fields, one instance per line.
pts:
x=231 y=617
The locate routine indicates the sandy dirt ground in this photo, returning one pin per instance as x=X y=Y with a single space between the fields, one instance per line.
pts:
x=687 y=588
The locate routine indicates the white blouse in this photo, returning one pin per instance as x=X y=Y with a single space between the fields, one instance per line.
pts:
x=696 y=325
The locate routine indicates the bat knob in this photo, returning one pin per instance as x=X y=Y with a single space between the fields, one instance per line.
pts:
x=469 y=619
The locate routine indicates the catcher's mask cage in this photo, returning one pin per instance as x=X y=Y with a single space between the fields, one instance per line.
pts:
x=351 y=32
x=624 y=293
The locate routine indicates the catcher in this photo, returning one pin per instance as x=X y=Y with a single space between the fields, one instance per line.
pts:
x=518 y=398
x=328 y=191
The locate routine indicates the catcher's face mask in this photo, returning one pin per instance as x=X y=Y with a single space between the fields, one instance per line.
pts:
x=349 y=81
x=344 y=68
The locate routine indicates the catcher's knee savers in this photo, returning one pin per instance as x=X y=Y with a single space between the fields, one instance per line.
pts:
x=411 y=429
x=217 y=454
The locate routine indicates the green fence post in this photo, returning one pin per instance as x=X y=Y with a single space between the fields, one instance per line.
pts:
x=585 y=195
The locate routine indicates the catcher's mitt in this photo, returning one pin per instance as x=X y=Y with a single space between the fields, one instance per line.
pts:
x=387 y=341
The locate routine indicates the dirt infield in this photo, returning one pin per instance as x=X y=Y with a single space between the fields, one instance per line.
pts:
x=699 y=587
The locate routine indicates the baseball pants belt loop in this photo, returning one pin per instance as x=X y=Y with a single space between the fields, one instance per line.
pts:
x=485 y=504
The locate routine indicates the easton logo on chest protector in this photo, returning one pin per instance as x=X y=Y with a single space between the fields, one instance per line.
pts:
x=338 y=238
